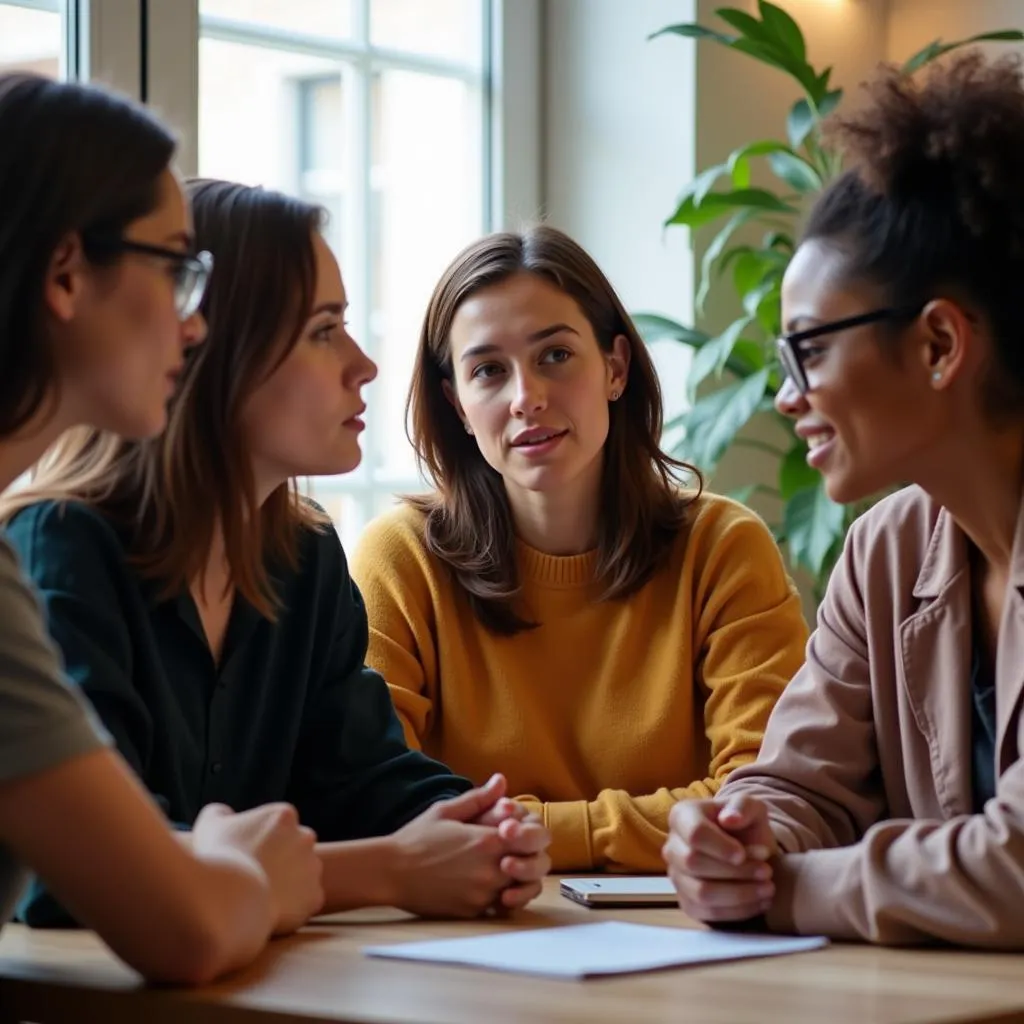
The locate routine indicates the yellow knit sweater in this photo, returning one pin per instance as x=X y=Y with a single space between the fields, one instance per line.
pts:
x=608 y=712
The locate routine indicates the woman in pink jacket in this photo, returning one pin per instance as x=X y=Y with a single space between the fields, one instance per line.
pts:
x=888 y=800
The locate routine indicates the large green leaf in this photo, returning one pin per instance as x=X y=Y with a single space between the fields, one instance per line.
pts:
x=749 y=26
x=714 y=251
x=769 y=54
x=738 y=163
x=803 y=117
x=794 y=473
x=795 y=171
x=938 y=48
x=653 y=327
x=784 y=29
x=713 y=357
x=692 y=31
x=715 y=420
x=747 y=354
x=716 y=204
x=812 y=523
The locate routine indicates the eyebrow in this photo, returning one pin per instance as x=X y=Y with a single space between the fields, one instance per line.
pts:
x=793 y=324
x=541 y=335
x=336 y=308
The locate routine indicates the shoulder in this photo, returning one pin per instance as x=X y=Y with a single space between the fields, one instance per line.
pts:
x=64 y=534
x=904 y=520
x=717 y=523
x=393 y=546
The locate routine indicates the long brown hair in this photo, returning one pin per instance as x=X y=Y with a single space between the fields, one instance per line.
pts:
x=468 y=520
x=74 y=158
x=172 y=492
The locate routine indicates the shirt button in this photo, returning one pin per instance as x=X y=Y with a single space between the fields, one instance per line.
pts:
x=216 y=767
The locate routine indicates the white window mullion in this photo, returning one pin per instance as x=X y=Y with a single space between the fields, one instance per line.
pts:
x=172 y=73
x=109 y=33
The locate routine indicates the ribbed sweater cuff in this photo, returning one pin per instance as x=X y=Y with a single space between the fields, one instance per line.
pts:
x=569 y=824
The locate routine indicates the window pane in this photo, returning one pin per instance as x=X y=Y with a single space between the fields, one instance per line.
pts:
x=309 y=17
x=250 y=104
x=349 y=512
x=439 y=28
x=31 y=40
x=428 y=204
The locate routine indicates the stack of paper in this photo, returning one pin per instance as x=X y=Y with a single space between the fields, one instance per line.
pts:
x=580 y=951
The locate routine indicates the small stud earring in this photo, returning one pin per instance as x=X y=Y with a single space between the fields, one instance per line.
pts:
x=937 y=376
x=615 y=396
x=469 y=429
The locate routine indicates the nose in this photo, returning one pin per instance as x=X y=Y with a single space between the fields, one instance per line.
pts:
x=357 y=367
x=788 y=400
x=193 y=331
x=529 y=396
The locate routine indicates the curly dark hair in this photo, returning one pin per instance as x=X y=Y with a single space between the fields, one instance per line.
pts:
x=933 y=201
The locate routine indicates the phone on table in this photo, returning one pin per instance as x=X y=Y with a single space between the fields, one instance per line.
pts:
x=620 y=891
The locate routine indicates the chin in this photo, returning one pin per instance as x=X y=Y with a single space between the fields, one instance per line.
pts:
x=137 y=425
x=844 y=488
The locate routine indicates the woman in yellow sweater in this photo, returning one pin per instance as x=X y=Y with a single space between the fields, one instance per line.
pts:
x=559 y=607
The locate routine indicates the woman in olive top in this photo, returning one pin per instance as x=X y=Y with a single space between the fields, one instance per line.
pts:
x=559 y=608
x=888 y=803
x=207 y=611
x=99 y=290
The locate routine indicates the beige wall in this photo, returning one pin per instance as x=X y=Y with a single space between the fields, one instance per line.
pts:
x=912 y=23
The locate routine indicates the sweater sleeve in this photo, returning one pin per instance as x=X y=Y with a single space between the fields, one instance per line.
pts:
x=749 y=635
x=401 y=638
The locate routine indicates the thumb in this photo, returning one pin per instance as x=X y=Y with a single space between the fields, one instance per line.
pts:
x=215 y=811
x=747 y=819
x=471 y=805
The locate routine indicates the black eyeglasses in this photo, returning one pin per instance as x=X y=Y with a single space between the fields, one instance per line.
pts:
x=191 y=270
x=790 y=346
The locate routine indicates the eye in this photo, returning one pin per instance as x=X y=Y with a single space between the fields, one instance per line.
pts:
x=812 y=349
x=485 y=371
x=557 y=355
x=324 y=333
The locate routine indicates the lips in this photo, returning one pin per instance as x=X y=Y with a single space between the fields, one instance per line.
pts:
x=536 y=436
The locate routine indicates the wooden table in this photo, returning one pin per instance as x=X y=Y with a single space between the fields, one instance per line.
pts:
x=320 y=975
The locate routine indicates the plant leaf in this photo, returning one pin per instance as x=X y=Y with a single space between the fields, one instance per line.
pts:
x=714 y=250
x=712 y=357
x=795 y=171
x=802 y=117
x=653 y=327
x=938 y=48
x=716 y=204
x=738 y=163
x=693 y=31
x=748 y=25
x=812 y=523
x=716 y=419
x=794 y=473
x=749 y=355
x=784 y=29
x=768 y=54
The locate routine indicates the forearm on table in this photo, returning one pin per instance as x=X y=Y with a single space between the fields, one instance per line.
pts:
x=358 y=873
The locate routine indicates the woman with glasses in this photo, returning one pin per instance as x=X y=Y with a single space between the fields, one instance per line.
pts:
x=888 y=800
x=99 y=296
x=561 y=608
x=206 y=609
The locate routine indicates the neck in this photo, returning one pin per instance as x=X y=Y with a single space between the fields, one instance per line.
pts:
x=562 y=522
x=20 y=452
x=978 y=477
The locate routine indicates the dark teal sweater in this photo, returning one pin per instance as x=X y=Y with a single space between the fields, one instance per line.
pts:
x=291 y=713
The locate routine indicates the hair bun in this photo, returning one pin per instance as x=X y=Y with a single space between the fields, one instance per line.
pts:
x=955 y=134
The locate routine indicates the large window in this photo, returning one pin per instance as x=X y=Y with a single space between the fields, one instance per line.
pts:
x=32 y=37
x=378 y=110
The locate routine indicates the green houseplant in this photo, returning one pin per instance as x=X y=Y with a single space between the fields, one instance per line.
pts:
x=738 y=367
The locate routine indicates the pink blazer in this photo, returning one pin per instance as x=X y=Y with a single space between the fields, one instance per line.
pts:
x=866 y=762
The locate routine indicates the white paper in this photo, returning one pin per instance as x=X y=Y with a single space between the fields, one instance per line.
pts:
x=611 y=947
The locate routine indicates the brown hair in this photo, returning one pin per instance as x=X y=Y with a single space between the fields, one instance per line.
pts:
x=468 y=520
x=74 y=158
x=933 y=200
x=171 y=492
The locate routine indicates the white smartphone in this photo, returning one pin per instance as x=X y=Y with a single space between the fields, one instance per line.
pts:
x=620 y=891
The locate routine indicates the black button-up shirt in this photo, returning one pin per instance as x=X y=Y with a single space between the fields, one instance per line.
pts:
x=290 y=713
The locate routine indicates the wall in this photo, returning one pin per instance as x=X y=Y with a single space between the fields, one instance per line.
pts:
x=618 y=148
x=912 y=23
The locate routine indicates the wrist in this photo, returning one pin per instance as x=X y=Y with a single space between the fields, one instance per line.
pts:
x=362 y=873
